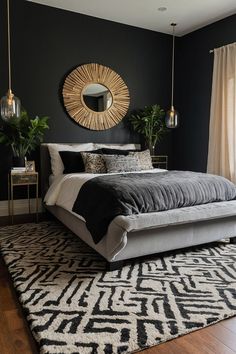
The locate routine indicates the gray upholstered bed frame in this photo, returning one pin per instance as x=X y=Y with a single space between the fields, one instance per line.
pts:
x=146 y=241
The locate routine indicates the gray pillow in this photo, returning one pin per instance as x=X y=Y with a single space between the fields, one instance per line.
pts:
x=118 y=163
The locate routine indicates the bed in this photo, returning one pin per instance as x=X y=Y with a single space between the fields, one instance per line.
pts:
x=146 y=233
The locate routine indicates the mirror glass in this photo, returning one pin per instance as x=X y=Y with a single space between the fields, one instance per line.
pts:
x=97 y=97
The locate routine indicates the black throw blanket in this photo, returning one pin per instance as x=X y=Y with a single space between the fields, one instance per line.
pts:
x=103 y=198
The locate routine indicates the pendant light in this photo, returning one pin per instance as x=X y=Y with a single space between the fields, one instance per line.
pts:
x=172 y=116
x=10 y=104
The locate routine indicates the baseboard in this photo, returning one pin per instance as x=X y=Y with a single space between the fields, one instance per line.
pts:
x=21 y=206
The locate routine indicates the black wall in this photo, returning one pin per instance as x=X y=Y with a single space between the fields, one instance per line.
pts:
x=193 y=91
x=47 y=43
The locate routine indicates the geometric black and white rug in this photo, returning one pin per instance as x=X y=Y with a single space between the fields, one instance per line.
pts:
x=74 y=306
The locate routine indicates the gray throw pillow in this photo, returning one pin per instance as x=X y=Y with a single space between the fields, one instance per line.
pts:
x=118 y=163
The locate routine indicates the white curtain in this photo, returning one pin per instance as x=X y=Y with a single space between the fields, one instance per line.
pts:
x=222 y=131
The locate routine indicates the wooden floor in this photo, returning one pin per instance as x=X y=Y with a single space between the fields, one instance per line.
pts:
x=15 y=338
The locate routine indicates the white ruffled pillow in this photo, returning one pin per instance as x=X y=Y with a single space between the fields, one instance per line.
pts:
x=56 y=161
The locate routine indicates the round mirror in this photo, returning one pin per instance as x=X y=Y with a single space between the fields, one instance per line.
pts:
x=97 y=97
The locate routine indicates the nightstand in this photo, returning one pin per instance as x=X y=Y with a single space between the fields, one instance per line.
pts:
x=22 y=179
x=160 y=161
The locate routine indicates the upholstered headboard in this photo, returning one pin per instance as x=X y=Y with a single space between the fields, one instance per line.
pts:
x=45 y=168
x=45 y=163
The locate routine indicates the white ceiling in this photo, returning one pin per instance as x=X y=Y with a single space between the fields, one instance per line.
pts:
x=188 y=14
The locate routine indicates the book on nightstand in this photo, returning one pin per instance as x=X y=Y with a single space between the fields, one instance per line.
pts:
x=18 y=169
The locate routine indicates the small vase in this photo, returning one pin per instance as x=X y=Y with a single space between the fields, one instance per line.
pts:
x=151 y=148
x=18 y=161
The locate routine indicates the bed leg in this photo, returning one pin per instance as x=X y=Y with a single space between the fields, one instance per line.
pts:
x=233 y=240
x=114 y=265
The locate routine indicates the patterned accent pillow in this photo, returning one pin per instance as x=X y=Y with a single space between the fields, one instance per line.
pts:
x=94 y=163
x=119 y=163
x=144 y=159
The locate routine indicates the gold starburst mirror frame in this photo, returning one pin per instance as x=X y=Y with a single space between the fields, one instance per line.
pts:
x=95 y=96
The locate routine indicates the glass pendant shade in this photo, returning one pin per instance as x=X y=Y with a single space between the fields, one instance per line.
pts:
x=172 y=118
x=10 y=106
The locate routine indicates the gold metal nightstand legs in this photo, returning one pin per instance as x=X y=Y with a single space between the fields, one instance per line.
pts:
x=22 y=179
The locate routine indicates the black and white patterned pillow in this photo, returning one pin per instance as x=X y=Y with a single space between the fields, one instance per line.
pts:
x=144 y=159
x=94 y=163
x=119 y=163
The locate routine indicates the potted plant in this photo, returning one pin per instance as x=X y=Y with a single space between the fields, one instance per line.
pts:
x=23 y=134
x=150 y=123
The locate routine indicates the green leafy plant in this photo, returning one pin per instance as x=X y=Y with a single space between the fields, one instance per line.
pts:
x=23 y=134
x=150 y=123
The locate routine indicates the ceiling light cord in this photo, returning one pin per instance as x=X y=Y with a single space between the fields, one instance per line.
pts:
x=9 y=45
x=10 y=105
x=173 y=65
x=172 y=116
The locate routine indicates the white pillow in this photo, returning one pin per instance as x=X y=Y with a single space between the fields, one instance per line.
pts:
x=56 y=161
x=118 y=146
